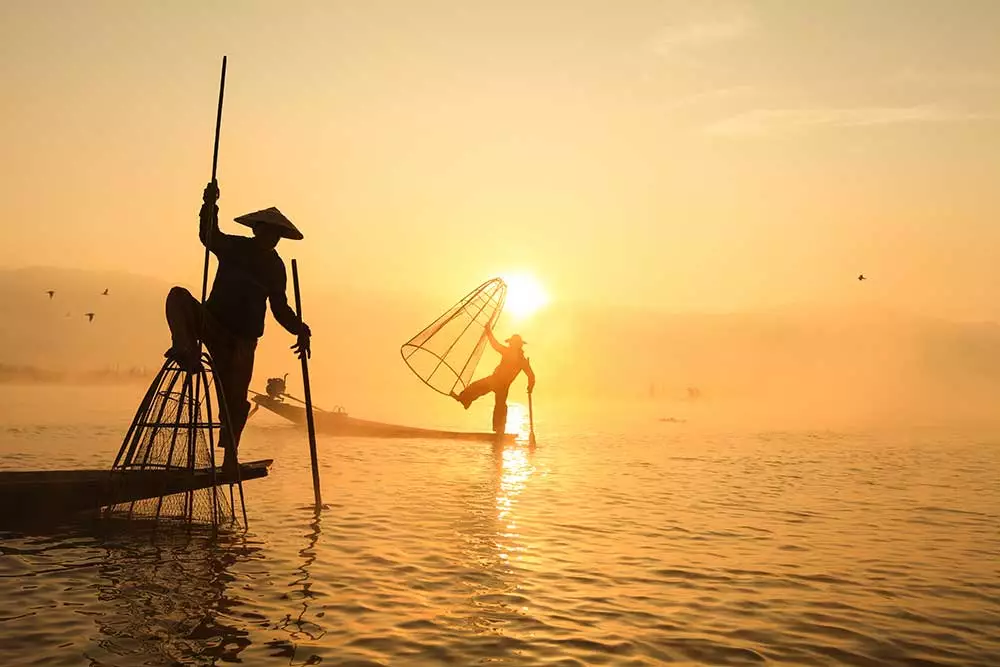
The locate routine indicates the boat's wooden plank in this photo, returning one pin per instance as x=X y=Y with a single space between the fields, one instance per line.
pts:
x=25 y=495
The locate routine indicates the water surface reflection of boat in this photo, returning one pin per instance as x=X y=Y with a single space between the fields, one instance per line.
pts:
x=167 y=600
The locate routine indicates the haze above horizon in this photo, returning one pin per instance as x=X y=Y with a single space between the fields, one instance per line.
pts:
x=711 y=157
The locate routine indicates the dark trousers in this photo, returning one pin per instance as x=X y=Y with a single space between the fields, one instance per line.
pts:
x=484 y=386
x=232 y=358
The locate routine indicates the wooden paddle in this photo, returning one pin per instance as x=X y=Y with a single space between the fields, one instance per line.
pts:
x=531 y=421
x=305 y=384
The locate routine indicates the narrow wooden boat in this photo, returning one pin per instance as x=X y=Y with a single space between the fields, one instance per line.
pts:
x=43 y=494
x=339 y=423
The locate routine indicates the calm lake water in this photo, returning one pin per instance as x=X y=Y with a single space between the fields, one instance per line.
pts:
x=637 y=543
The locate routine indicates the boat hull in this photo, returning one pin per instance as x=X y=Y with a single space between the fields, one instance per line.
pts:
x=340 y=424
x=32 y=495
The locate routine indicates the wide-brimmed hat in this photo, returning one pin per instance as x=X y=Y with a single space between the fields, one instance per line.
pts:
x=273 y=217
x=516 y=339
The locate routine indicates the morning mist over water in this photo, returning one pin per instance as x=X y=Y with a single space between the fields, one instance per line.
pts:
x=811 y=367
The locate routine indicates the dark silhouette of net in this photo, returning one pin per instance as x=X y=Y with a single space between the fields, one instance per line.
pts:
x=445 y=353
x=166 y=468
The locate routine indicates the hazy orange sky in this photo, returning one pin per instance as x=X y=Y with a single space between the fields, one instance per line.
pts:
x=686 y=156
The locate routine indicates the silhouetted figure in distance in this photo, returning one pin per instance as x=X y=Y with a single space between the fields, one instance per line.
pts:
x=512 y=362
x=250 y=275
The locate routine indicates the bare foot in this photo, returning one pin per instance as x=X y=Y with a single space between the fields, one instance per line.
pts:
x=459 y=399
x=186 y=359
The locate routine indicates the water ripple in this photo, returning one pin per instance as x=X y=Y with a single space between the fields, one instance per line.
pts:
x=740 y=549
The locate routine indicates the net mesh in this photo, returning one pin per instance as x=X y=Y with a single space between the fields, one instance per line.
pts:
x=445 y=354
x=168 y=457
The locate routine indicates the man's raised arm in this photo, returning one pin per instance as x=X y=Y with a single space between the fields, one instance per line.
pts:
x=209 y=233
x=493 y=340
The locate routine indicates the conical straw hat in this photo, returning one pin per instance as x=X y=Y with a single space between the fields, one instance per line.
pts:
x=271 y=216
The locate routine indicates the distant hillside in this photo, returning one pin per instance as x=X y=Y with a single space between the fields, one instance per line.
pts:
x=109 y=375
x=54 y=333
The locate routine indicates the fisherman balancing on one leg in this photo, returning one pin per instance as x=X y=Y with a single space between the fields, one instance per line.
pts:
x=250 y=274
x=512 y=362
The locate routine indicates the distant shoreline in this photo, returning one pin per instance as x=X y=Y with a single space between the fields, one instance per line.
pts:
x=25 y=374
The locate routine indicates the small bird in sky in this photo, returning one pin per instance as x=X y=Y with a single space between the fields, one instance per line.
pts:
x=861 y=276
x=90 y=316
x=51 y=293
x=105 y=292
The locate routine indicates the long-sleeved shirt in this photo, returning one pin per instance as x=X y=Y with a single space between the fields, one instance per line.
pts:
x=247 y=279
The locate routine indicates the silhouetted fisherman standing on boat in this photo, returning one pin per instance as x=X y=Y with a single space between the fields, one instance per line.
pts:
x=250 y=274
x=512 y=362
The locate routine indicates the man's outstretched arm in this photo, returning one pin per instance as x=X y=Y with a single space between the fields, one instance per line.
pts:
x=493 y=341
x=286 y=317
x=531 y=375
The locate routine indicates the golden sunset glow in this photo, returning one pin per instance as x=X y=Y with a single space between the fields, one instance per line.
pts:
x=600 y=332
x=525 y=296
x=658 y=180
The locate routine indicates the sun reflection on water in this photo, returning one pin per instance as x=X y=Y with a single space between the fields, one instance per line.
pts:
x=495 y=551
x=515 y=471
x=517 y=421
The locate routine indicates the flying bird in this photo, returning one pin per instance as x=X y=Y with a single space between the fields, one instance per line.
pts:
x=861 y=276
x=105 y=292
x=90 y=316
x=51 y=293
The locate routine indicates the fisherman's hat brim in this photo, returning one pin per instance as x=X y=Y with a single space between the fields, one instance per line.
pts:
x=274 y=218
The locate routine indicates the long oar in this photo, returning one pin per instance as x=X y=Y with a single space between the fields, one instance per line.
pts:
x=531 y=421
x=305 y=383
x=224 y=413
x=215 y=166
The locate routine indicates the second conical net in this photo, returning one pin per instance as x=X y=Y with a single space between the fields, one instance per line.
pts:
x=445 y=353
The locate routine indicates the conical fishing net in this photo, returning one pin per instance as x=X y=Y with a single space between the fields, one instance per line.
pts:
x=167 y=467
x=445 y=353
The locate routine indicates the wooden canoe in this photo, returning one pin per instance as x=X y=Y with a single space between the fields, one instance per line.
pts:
x=45 y=494
x=340 y=424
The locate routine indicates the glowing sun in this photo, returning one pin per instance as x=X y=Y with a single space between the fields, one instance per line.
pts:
x=525 y=295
